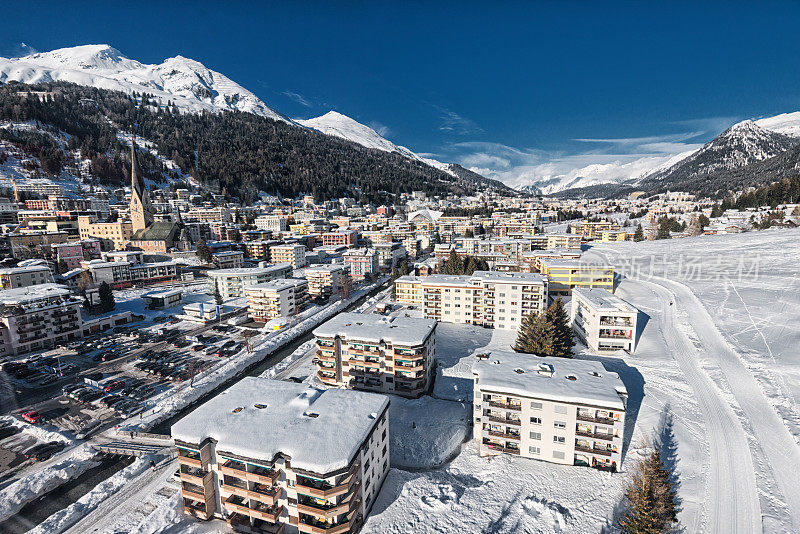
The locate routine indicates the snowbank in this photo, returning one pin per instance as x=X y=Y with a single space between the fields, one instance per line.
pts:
x=30 y=487
x=287 y=362
x=38 y=431
x=63 y=519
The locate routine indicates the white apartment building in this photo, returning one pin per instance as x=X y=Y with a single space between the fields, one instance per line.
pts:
x=486 y=298
x=363 y=262
x=25 y=275
x=327 y=280
x=558 y=410
x=232 y=282
x=38 y=317
x=276 y=298
x=274 y=456
x=605 y=322
x=230 y=259
x=377 y=353
x=292 y=254
x=273 y=223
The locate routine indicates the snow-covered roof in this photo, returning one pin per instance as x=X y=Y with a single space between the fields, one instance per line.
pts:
x=321 y=430
x=163 y=294
x=554 y=379
x=603 y=300
x=509 y=278
x=24 y=269
x=327 y=268
x=377 y=328
x=22 y=295
x=277 y=285
x=249 y=271
x=573 y=264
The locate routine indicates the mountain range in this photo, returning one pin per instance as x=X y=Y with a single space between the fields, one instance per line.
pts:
x=739 y=156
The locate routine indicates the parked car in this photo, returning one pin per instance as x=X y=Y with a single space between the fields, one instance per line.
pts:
x=8 y=431
x=114 y=386
x=32 y=417
x=47 y=452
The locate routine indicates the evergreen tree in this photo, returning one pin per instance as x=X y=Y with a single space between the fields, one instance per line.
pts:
x=716 y=211
x=454 y=264
x=62 y=267
x=563 y=341
x=217 y=294
x=204 y=252
x=535 y=335
x=640 y=517
x=638 y=235
x=106 y=297
x=469 y=233
x=663 y=489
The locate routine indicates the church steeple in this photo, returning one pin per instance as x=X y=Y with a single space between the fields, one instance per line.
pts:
x=141 y=208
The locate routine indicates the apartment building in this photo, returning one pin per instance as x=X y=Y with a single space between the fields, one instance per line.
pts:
x=274 y=456
x=605 y=322
x=485 y=298
x=610 y=236
x=231 y=282
x=34 y=243
x=229 y=259
x=112 y=235
x=389 y=255
x=557 y=410
x=25 y=275
x=377 y=353
x=590 y=230
x=72 y=254
x=273 y=223
x=565 y=275
x=565 y=241
x=276 y=298
x=363 y=263
x=340 y=237
x=38 y=317
x=531 y=261
x=327 y=280
x=295 y=255
x=259 y=250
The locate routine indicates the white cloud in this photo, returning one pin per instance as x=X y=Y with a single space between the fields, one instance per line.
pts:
x=450 y=121
x=298 y=98
x=381 y=129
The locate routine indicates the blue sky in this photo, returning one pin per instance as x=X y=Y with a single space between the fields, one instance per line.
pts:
x=514 y=90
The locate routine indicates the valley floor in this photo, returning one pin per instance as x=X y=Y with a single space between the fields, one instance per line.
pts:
x=714 y=377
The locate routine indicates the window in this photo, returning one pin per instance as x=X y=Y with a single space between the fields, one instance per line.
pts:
x=536 y=420
x=560 y=409
x=560 y=424
x=536 y=406
x=536 y=435
x=559 y=439
x=534 y=450
x=558 y=455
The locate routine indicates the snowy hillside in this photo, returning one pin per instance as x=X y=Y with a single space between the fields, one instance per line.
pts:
x=338 y=125
x=185 y=82
x=785 y=123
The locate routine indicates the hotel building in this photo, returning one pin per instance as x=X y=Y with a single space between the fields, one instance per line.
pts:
x=377 y=353
x=363 y=263
x=292 y=254
x=270 y=457
x=558 y=410
x=605 y=322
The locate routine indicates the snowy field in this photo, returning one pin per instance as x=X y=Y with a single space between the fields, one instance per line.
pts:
x=714 y=377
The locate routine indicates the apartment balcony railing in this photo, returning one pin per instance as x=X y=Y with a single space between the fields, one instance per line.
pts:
x=194 y=475
x=593 y=419
x=400 y=365
x=190 y=458
x=325 y=490
x=500 y=448
x=311 y=525
x=508 y=435
x=595 y=435
x=259 y=492
x=593 y=450
x=259 y=475
x=616 y=322
x=195 y=508
x=328 y=510
x=192 y=491
x=504 y=421
x=505 y=406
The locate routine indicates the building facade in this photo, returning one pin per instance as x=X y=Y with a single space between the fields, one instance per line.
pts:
x=565 y=275
x=295 y=255
x=231 y=283
x=327 y=280
x=363 y=263
x=318 y=468
x=277 y=298
x=557 y=410
x=377 y=353
x=603 y=321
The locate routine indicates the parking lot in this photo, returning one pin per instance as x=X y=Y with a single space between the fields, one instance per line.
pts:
x=95 y=382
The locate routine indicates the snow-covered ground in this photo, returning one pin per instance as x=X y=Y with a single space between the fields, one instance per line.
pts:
x=714 y=377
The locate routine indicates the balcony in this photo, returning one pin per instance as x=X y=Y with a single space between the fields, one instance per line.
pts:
x=399 y=365
x=365 y=363
x=193 y=475
x=259 y=492
x=500 y=448
x=326 y=378
x=592 y=419
x=259 y=475
x=195 y=508
x=506 y=406
x=192 y=491
x=595 y=435
x=242 y=523
x=189 y=458
x=311 y=525
x=325 y=490
x=606 y=321
x=496 y=434
x=504 y=421
x=327 y=510
x=591 y=450
x=326 y=356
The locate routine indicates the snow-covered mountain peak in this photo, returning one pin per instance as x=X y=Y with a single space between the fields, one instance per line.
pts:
x=785 y=123
x=185 y=82
x=339 y=125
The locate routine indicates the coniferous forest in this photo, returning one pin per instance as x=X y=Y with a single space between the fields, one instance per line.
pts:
x=240 y=152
